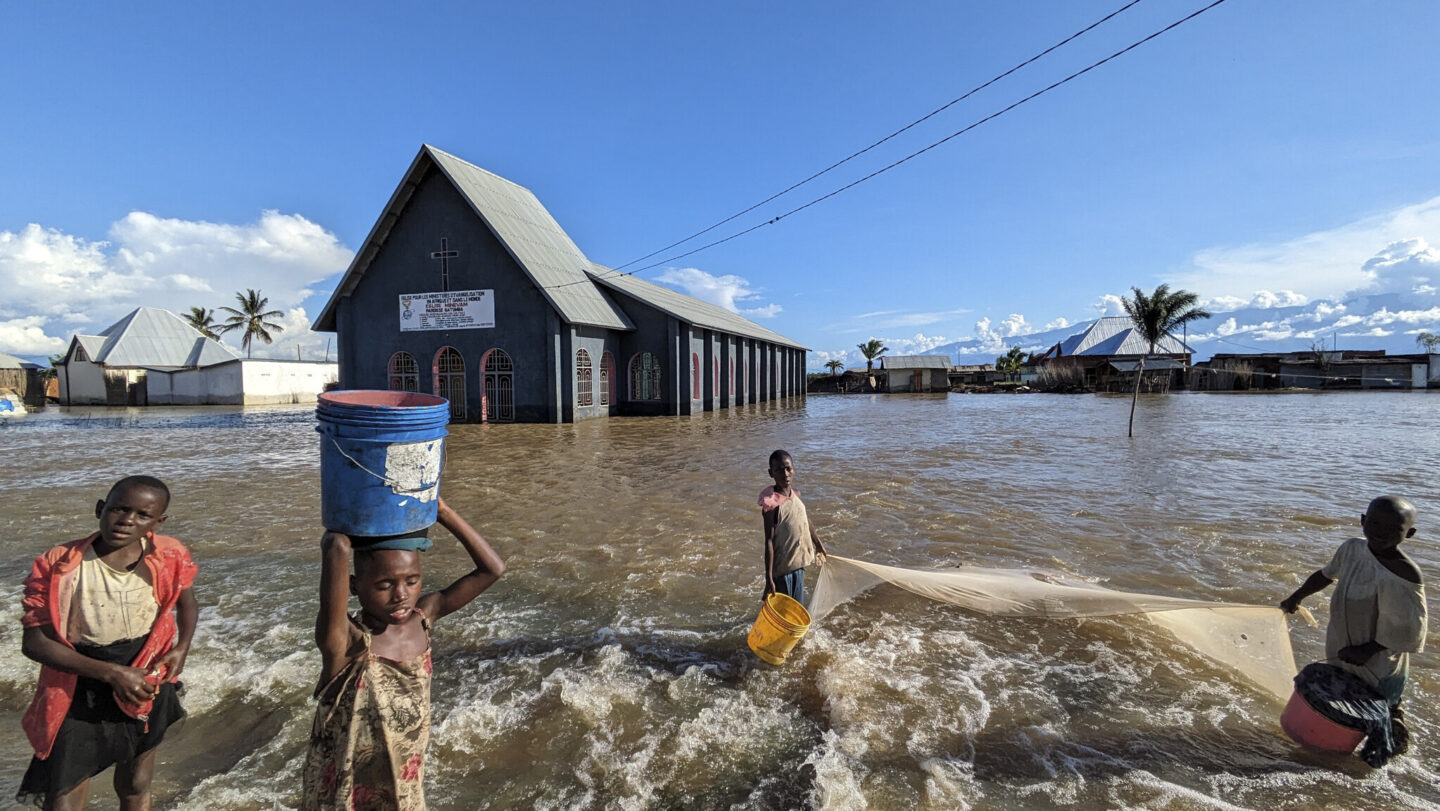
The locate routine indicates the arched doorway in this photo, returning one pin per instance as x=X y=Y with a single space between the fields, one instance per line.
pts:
x=498 y=401
x=450 y=379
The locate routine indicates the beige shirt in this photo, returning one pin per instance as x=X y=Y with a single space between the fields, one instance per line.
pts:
x=111 y=605
x=1373 y=604
x=793 y=547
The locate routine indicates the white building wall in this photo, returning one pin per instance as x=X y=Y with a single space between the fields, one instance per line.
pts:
x=222 y=384
x=82 y=383
x=273 y=381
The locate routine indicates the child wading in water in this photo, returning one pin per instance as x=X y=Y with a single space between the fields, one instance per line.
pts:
x=367 y=745
x=790 y=540
x=101 y=619
x=1377 y=612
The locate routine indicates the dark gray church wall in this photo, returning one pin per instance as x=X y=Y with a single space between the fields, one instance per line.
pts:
x=695 y=367
x=369 y=322
x=595 y=342
x=654 y=333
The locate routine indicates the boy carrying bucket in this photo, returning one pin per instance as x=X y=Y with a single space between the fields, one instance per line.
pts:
x=791 y=543
x=372 y=723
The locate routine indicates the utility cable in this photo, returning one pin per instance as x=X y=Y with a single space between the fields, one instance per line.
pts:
x=913 y=155
x=1087 y=29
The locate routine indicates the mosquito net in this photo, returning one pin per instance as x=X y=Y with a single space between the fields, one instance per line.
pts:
x=1252 y=640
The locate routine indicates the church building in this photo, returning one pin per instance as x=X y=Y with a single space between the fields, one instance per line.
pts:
x=467 y=288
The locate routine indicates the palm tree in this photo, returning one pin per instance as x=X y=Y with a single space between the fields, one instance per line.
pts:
x=203 y=320
x=1428 y=341
x=834 y=366
x=251 y=318
x=1011 y=361
x=872 y=349
x=1156 y=316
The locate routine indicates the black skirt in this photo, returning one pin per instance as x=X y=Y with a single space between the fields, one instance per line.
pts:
x=96 y=734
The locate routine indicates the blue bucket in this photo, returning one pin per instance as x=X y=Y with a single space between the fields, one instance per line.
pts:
x=380 y=458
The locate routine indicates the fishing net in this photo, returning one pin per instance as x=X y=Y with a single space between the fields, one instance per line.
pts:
x=1252 y=640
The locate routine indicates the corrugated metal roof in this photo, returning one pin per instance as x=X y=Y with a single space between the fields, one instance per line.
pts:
x=1151 y=365
x=533 y=238
x=1116 y=335
x=12 y=362
x=92 y=344
x=152 y=337
x=892 y=362
x=687 y=308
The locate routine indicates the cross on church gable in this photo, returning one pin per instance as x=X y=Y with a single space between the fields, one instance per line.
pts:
x=444 y=255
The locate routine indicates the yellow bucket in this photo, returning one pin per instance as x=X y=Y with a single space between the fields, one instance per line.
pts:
x=780 y=626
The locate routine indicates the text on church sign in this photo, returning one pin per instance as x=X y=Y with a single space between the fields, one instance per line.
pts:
x=455 y=309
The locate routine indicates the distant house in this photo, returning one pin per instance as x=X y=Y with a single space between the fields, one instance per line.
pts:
x=1305 y=369
x=1094 y=349
x=154 y=357
x=915 y=373
x=24 y=378
x=974 y=374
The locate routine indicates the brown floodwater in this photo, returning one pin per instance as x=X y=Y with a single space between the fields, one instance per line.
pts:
x=608 y=668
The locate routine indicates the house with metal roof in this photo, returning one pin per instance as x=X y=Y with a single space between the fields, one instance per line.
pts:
x=915 y=373
x=24 y=378
x=154 y=357
x=1108 y=351
x=468 y=288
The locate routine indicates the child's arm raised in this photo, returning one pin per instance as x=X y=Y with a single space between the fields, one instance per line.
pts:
x=488 y=568
x=332 y=625
x=41 y=644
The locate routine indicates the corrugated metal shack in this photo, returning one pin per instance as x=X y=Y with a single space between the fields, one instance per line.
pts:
x=915 y=373
x=24 y=378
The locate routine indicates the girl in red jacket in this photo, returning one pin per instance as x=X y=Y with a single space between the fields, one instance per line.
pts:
x=101 y=619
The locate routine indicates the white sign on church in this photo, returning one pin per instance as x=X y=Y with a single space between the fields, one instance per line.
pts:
x=455 y=309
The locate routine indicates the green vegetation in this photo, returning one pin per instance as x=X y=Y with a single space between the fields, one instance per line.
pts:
x=203 y=320
x=251 y=317
x=872 y=349
x=1154 y=317
x=835 y=366
x=1428 y=341
x=1010 y=362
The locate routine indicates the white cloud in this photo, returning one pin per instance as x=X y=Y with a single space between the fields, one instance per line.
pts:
x=24 y=336
x=1324 y=264
x=1110 y=304
x=768 y=311
x=58 y=282
x=1059 y=323
x=997 y=338
x=724 y=291
x=1402 y=266
x=899 y=319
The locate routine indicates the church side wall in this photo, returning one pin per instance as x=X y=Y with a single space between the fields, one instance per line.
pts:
x=525 y=324
x=82 y=383
x=596 y=341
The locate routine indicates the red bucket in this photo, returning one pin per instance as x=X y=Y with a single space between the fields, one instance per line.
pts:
x=1309 y=728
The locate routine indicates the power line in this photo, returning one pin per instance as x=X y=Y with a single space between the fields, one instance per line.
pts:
x=892 y=135
x=915 y=154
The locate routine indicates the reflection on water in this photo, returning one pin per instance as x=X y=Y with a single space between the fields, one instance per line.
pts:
x=608 y=668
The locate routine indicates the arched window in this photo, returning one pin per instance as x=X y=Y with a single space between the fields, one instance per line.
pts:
x=584 y=391
x=404 y=372
x=694 y=376
x=607 y=371
x=644 y=377
x=498 y=371
x=450 y=379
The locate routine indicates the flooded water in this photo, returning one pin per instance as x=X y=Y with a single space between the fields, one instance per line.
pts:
x=608 y=668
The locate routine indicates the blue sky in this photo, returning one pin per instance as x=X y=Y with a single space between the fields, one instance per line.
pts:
x=1280 y=158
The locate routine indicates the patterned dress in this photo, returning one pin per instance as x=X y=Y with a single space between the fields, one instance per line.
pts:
x=367 y=745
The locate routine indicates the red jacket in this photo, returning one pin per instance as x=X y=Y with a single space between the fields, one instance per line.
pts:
x=48 y=593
